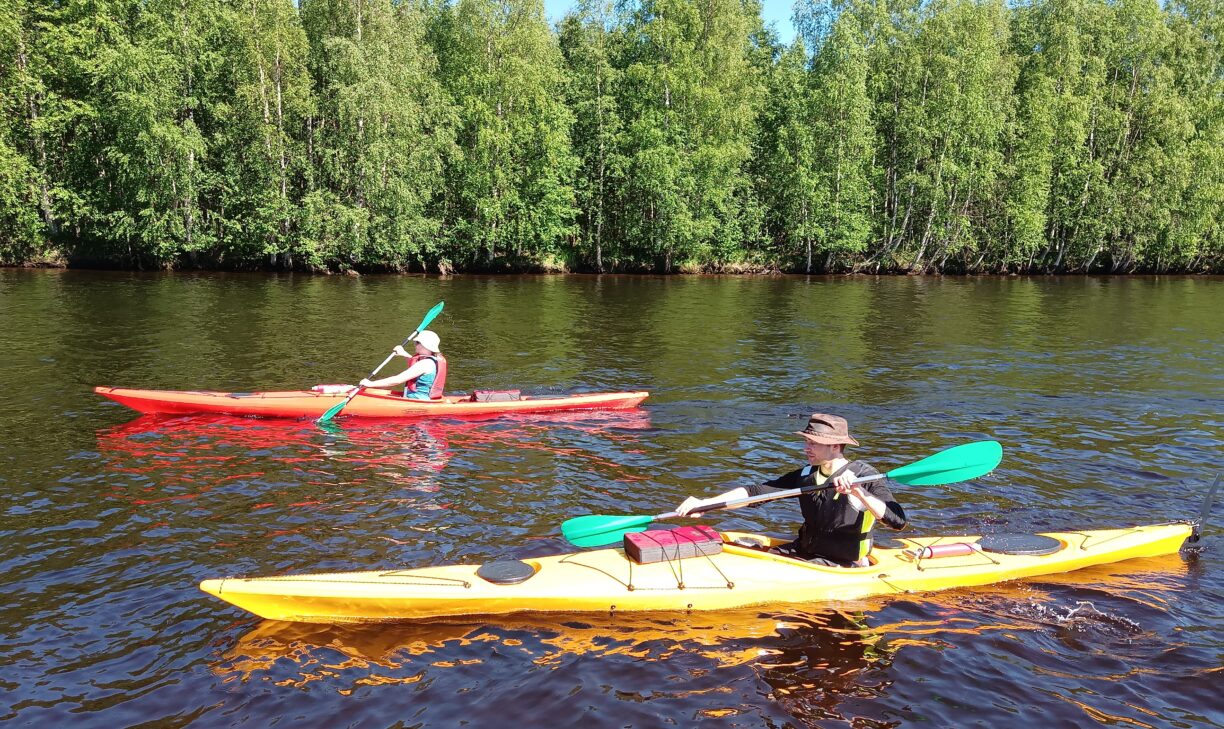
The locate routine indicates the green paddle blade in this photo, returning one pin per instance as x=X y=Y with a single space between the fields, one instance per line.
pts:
x=431 y=315
x=961 y=463
x=595 y=530
x=331 y=411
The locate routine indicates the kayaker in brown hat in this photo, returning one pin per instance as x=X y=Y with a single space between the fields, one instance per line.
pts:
x=837 y=521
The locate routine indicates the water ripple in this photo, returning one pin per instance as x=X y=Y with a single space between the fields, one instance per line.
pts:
x=1106 y=394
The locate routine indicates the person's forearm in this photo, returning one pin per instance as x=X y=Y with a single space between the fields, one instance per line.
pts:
x=390 y=381
x=693 y=502
x=888 y=513
x=873 y=503
x=411 y=373
x=735 y=493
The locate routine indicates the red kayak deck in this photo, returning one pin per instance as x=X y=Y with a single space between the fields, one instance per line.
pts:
x=369 y=403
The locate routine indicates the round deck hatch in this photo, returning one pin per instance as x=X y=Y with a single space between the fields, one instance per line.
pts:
x=1033 y=545
x=505 y=572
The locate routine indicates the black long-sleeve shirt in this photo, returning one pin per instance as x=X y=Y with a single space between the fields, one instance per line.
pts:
x=832 y=527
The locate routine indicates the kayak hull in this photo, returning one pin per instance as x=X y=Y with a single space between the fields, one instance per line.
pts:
x=606 y=581
x=369 y=403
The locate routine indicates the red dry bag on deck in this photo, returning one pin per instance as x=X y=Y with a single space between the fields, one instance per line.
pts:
x=656 y=545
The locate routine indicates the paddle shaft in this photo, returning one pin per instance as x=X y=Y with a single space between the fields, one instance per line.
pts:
x=749 y=500
x=959 y=463
x=335 y=410
x=391 y=356
x=378 y=369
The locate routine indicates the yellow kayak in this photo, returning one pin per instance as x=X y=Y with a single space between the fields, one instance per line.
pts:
x=607 y=581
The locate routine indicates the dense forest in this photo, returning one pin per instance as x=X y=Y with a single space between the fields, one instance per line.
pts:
x=640 y=135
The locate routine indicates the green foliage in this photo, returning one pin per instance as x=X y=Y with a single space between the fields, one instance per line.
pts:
x=665 y=135
x=261 y=150
x=844 y=143
x=377 y=139
x=511 y=197
x=157 y=84
x=20 y=225
x=691 y=88
x=590 y=49
x=788 y=152
x=950 y=100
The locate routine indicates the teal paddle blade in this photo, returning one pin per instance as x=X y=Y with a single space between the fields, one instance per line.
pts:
x=595 y=530
x=431 y=315
x=331 y=412
x=961 y=463
x=605 y=538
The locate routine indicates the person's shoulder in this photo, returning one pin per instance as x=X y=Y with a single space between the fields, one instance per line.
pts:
x=879 y=487
x=788 y=477
x=863 y=468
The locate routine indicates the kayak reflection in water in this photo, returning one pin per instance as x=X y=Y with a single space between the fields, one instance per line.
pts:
x=837 y=521
x=425 y=377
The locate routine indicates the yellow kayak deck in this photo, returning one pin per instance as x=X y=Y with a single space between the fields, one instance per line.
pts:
x=605 y=580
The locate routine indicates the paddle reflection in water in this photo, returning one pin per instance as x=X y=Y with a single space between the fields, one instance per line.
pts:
x=824 y=665
x=388 y=485
x=187 y=456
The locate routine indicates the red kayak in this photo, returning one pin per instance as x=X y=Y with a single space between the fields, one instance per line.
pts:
x=369 y=403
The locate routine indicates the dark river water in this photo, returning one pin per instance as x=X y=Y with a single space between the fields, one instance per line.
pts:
x=1106 y=393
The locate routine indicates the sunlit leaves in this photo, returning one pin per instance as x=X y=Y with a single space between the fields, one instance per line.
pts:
x=667 y=135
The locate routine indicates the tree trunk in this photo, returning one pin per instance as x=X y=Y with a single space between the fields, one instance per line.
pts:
x=189 y=187
x=40 y=148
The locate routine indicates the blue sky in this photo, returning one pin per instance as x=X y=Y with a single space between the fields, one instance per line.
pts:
x=777 y=12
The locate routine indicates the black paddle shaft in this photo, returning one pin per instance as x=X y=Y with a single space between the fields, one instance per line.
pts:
x=748 y=501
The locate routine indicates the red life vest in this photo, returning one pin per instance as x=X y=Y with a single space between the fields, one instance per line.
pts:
x=439 y=382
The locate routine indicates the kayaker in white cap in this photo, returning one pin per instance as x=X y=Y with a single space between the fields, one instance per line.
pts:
x=837 y=521
x=425 y=377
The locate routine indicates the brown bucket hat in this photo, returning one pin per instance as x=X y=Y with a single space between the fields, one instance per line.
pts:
x=828 y=430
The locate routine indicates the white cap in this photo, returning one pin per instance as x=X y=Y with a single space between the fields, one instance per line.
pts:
x=428 y=340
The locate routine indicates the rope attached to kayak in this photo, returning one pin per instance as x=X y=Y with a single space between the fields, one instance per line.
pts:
x=631 y=587
x=1084 y=544
x=678 y=576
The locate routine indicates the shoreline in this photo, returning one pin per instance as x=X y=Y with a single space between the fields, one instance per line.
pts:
x=712 y=272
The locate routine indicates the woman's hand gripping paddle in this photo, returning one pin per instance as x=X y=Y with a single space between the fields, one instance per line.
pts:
x=334 y=410
x=959 y=463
